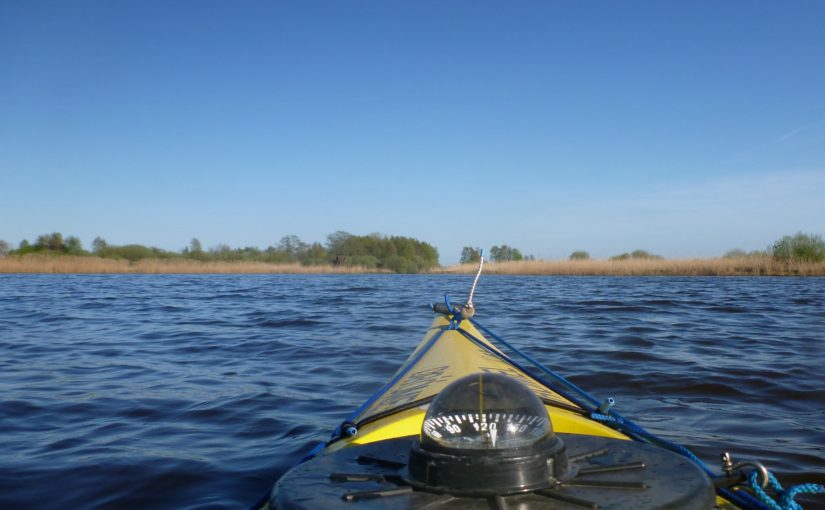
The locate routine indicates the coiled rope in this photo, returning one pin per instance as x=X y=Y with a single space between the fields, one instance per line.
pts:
x=786 y=498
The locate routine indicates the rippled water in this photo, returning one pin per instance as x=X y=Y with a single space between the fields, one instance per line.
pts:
x=142 y=391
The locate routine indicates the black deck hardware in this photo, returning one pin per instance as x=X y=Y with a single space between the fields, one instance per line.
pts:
x=383 y=493
x=364 y=459
x=604 y=473
x=610 y=469
x=568 y=499
x=587 y=455
x=356 y=477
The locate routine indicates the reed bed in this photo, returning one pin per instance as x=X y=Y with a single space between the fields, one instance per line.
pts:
x=96 y=265
x=744 y=266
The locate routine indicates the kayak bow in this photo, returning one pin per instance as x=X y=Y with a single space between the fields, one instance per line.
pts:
x=463 y=425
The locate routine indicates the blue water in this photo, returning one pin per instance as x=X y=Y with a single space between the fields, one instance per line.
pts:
x=172 y=391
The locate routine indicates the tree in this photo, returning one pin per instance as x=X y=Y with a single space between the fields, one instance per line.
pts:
x=4 y=248
x=336 y=242
x=469 y=255
x=399 y=264
x=73 y=246
x=99 y=245
x=397 y=253
x=637 y=255
x=367 y=261
x=293 y=247
x=579 y=255
x=249 y=253
x=316 y=255
x=222 y=252
x=735 y=253
x=644 y=254
x=54 y=242
x=505 y=253
x=194 y=250
x=133 y=252
x=49 y=242
x=801 y=247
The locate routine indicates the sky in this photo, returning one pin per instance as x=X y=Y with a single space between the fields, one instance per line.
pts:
x=683 y=128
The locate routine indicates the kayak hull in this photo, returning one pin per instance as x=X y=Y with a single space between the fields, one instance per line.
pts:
x=366 y=460
x=443 y=356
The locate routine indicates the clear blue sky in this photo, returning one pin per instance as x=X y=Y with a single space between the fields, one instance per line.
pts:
x=683 y=128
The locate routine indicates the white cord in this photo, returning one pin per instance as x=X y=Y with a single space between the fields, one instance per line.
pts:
x=475 y=282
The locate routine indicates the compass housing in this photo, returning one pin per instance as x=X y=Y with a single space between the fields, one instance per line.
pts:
x=487 y=434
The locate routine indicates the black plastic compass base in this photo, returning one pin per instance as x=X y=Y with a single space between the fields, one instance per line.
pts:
x=604 y=473
x=488 y=473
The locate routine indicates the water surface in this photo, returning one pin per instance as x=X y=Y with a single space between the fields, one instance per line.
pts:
x=178 y=391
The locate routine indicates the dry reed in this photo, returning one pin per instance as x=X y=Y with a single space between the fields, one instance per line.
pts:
x=744 y=266
x=96 y=265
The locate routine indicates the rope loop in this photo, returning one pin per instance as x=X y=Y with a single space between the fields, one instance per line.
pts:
x=455 y=314
x=785 y=498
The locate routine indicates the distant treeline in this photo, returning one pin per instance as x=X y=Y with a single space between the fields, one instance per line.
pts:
x=374 y=251
x=503 y=253
x=793 y=248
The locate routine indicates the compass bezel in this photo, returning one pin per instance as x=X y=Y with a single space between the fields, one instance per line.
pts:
x=481 y=465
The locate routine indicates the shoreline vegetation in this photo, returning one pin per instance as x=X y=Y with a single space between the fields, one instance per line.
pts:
x=744 y=266
x=68 y=264
x=345 y=253
x=739 y=266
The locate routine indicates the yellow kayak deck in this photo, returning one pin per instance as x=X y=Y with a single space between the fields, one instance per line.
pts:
x=450 y=350
x=444 y=355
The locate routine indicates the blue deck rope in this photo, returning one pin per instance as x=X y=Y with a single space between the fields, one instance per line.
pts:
x=786 y=497
x=510 y=361
x=339 y=431
x=742 y=499
x=611 y=417
x=622 y=423
x=556 y=377
x=401 y=373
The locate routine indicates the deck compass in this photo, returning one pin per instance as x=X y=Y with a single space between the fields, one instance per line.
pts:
x=487 y=434
x=487 y=442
